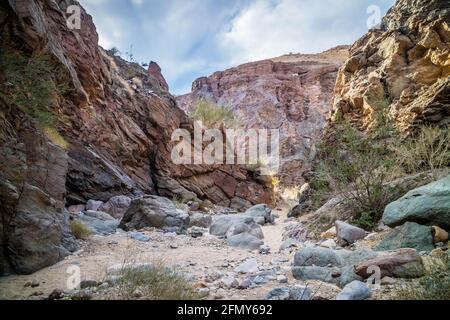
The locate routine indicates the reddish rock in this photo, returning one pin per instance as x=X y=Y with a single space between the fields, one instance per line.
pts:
x=292 y=93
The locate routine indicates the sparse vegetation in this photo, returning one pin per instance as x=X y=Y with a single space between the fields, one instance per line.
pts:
x=33 y=84
x=428 y=150
x=358 y=166
x=212 y=115
x=156 y=283
x=434 y=286
x=79 y=230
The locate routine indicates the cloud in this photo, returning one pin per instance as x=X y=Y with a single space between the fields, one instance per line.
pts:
x=271 y=28
x=194 y=38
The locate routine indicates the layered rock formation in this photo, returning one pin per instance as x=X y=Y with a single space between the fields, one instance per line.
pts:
x=292 y=93
x=403 y=68
x=111 y=136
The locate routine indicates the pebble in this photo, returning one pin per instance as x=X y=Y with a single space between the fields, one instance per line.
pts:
x=282 y=279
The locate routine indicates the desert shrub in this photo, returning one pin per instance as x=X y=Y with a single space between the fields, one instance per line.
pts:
x=33 y=84
x=212 y=115
x=357 y=166
x=180 y=202
x=156 y=283
x=79 y=230
x=428 y=150
x=434 y=286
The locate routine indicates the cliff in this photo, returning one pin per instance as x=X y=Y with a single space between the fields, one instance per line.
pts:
x=78 y=123
x=292 y=93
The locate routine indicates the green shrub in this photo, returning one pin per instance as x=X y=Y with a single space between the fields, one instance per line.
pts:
x=33 y=84
x=156 y=283
x=357 y=166
x=79 y=230
x=213 y=115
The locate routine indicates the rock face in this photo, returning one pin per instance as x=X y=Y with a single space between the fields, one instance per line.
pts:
x=292 y=93
x=428 y=205
x=402 y=66
x=111 y=136
x=154 y=211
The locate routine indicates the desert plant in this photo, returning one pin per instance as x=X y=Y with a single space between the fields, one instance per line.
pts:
x=428 y=150
x=357 y=166
x=212 y=115
x=157 y=282
x=33 y=84
x=434 y=286
x=79 y=230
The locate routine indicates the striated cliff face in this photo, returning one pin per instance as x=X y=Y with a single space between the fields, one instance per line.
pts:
x=292 y=93
x=110 y=136
x=403 y=68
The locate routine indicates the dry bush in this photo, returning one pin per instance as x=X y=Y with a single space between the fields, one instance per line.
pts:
x=153 y=283
x=429 y=150
x=434 y=286
x=79 y=230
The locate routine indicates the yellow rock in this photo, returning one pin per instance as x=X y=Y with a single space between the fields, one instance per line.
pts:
x=329 y=234
x=439 y=235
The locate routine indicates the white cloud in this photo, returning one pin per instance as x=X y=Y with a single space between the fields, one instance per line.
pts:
x=271 y=28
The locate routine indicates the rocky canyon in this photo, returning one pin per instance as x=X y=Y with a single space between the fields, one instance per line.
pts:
x=88 y=182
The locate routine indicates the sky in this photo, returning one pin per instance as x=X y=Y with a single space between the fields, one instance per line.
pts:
x=194 y=38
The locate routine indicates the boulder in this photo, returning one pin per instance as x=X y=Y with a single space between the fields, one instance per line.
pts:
x=200 y=220
x=245 y=241
x=154 y=211
x=409 y=235
x=329 y=234
x=404 y=263
x=348 y=234
x=428 y=205
x=355 y=290
x=93 y=205
x=261 y=211
x=99 y=223
x=116 y=206
x=317 y=256
x=252 y=228
x=294 y=293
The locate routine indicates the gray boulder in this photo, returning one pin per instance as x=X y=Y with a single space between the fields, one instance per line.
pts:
x=221 y=224
x=252 y=228
x=409 y=235
x=428 y=205
x=355 y=290
x=93 y=205
x=100 y=223
x=245 y=241
x=317 y=256
x=294 y=293
x=200 y=220
x=348 y=234
x=261 y=211
x=154 y=211
x=249 y=266
x=116 y=206
x=138 y=236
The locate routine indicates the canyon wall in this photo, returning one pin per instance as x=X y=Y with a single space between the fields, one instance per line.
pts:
x=110 y=135
x=292 y=93
x=402 y=68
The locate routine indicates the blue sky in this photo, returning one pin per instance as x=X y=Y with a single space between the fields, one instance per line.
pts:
x=193 y=38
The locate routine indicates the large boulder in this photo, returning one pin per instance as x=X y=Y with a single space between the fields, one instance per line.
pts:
x=341 y=267
x=245 y=241
x=261 y=211
x=116 y=206
x=200 y=220
x=154 y=211
x=294 y=293
x=404 y=263
x=99 y=223
x=409 y=235
x=428 y=205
